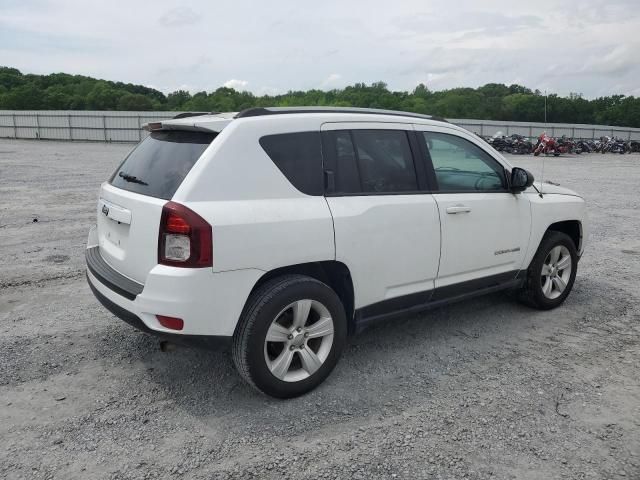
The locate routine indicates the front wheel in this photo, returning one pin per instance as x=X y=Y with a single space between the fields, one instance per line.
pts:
x=552 y=272
x=290 y=336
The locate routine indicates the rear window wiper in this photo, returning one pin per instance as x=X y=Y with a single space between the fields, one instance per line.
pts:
x=131 y=178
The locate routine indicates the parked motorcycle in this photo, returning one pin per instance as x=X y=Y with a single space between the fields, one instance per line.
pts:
x=614 y=145
x=567 y=145
x=546 y=145
x=584 y=146
x=499 y=142
x=521 y=144
x=515 y=144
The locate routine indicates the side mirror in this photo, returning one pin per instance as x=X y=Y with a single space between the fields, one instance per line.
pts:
x=521 y=179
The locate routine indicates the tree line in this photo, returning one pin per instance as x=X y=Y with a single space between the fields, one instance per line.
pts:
x=494 y=101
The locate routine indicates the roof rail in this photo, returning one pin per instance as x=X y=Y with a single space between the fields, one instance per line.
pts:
x=261 y=111
x=193 y=114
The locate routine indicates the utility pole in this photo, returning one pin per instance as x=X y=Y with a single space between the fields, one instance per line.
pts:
x=545 y=106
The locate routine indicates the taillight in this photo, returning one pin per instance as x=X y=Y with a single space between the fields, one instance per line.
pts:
x=185 y=239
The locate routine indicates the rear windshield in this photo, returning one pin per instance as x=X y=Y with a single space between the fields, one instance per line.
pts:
x=157 y=166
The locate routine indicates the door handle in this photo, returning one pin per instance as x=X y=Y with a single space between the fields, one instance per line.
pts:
x=458 y=209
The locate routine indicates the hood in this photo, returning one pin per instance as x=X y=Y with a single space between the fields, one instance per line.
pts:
x=547 y=187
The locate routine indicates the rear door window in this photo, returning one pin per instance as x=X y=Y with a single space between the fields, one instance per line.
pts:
x=385 y=161
x=341 y=163
x=371 y=161
x=158 y=165
x=299 y=157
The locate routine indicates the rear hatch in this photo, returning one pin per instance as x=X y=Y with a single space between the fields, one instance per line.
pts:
x=130 y=203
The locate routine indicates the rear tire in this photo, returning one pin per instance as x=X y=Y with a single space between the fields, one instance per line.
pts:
x=290 y=336
x=552 y=272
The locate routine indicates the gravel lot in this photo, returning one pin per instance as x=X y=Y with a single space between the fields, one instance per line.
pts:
x=482 y=389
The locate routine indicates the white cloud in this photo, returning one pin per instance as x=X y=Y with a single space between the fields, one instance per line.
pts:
x=236 y=84
x=179 y=17
x=619 y=59
x=331 y=80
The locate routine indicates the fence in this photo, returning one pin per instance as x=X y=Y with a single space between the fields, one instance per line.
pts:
x=77 y=125
x=125 y=126
x=581 y=131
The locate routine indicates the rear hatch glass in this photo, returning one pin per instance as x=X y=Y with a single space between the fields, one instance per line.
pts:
x=158 y=165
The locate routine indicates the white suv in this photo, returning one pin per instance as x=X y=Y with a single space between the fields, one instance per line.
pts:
x=286 y=230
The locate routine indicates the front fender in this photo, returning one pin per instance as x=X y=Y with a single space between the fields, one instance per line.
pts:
x=554 y=208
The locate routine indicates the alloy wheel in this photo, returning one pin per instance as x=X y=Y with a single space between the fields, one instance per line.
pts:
x=556 y=272
x=299 y=340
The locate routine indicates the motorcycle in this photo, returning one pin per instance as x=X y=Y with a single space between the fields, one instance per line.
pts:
x=614 y=145
x=584 y=146
x=619 y=146
x=500 y=143
x=520 y=144
x=546 y=145
x=566 y=145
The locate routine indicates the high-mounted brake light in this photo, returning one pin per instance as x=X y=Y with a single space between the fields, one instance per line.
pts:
x=151 y=126
x=185 y=239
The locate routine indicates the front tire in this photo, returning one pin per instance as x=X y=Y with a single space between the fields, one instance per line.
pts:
x=290 y=336
x=552 y=272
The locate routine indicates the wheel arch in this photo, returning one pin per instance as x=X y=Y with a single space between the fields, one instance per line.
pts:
x=331 y=272
x=572 y=228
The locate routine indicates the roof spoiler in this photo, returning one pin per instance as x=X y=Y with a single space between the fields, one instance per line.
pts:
x=193 y=114
x=156 y=126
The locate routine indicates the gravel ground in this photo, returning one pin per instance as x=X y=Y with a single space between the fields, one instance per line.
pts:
x=482 y=389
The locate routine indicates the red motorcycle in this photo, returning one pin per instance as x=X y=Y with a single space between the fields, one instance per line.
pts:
x=546 y=145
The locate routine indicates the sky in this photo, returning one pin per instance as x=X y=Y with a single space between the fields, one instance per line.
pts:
x=590 y=47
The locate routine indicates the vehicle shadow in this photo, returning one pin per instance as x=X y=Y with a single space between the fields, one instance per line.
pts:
x=387 y=367
x=205 y=382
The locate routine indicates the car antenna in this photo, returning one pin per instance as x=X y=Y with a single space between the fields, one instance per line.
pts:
x=536 y=188
x=545 y=155
x=543 y=159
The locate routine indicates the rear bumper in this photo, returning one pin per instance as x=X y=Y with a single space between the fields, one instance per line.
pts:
x=106 y=275
x=203 y=341
x=122 y=313
x=210 y=304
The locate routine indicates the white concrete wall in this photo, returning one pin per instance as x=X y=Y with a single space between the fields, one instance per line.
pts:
x=125 y=126
x=577 y=130
x=77 y=125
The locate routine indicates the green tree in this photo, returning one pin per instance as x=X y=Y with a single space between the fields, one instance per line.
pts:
x=103 y=97
x=175 y=100
x=135 y=102
x=24 y=97
x=493 y=101
x=56 y=101
x=523 y=107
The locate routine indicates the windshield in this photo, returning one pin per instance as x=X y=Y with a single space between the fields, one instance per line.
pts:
x=158 y=165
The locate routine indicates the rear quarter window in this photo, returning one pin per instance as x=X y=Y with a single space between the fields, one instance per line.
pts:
x=299 y=157
x=158 y=165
